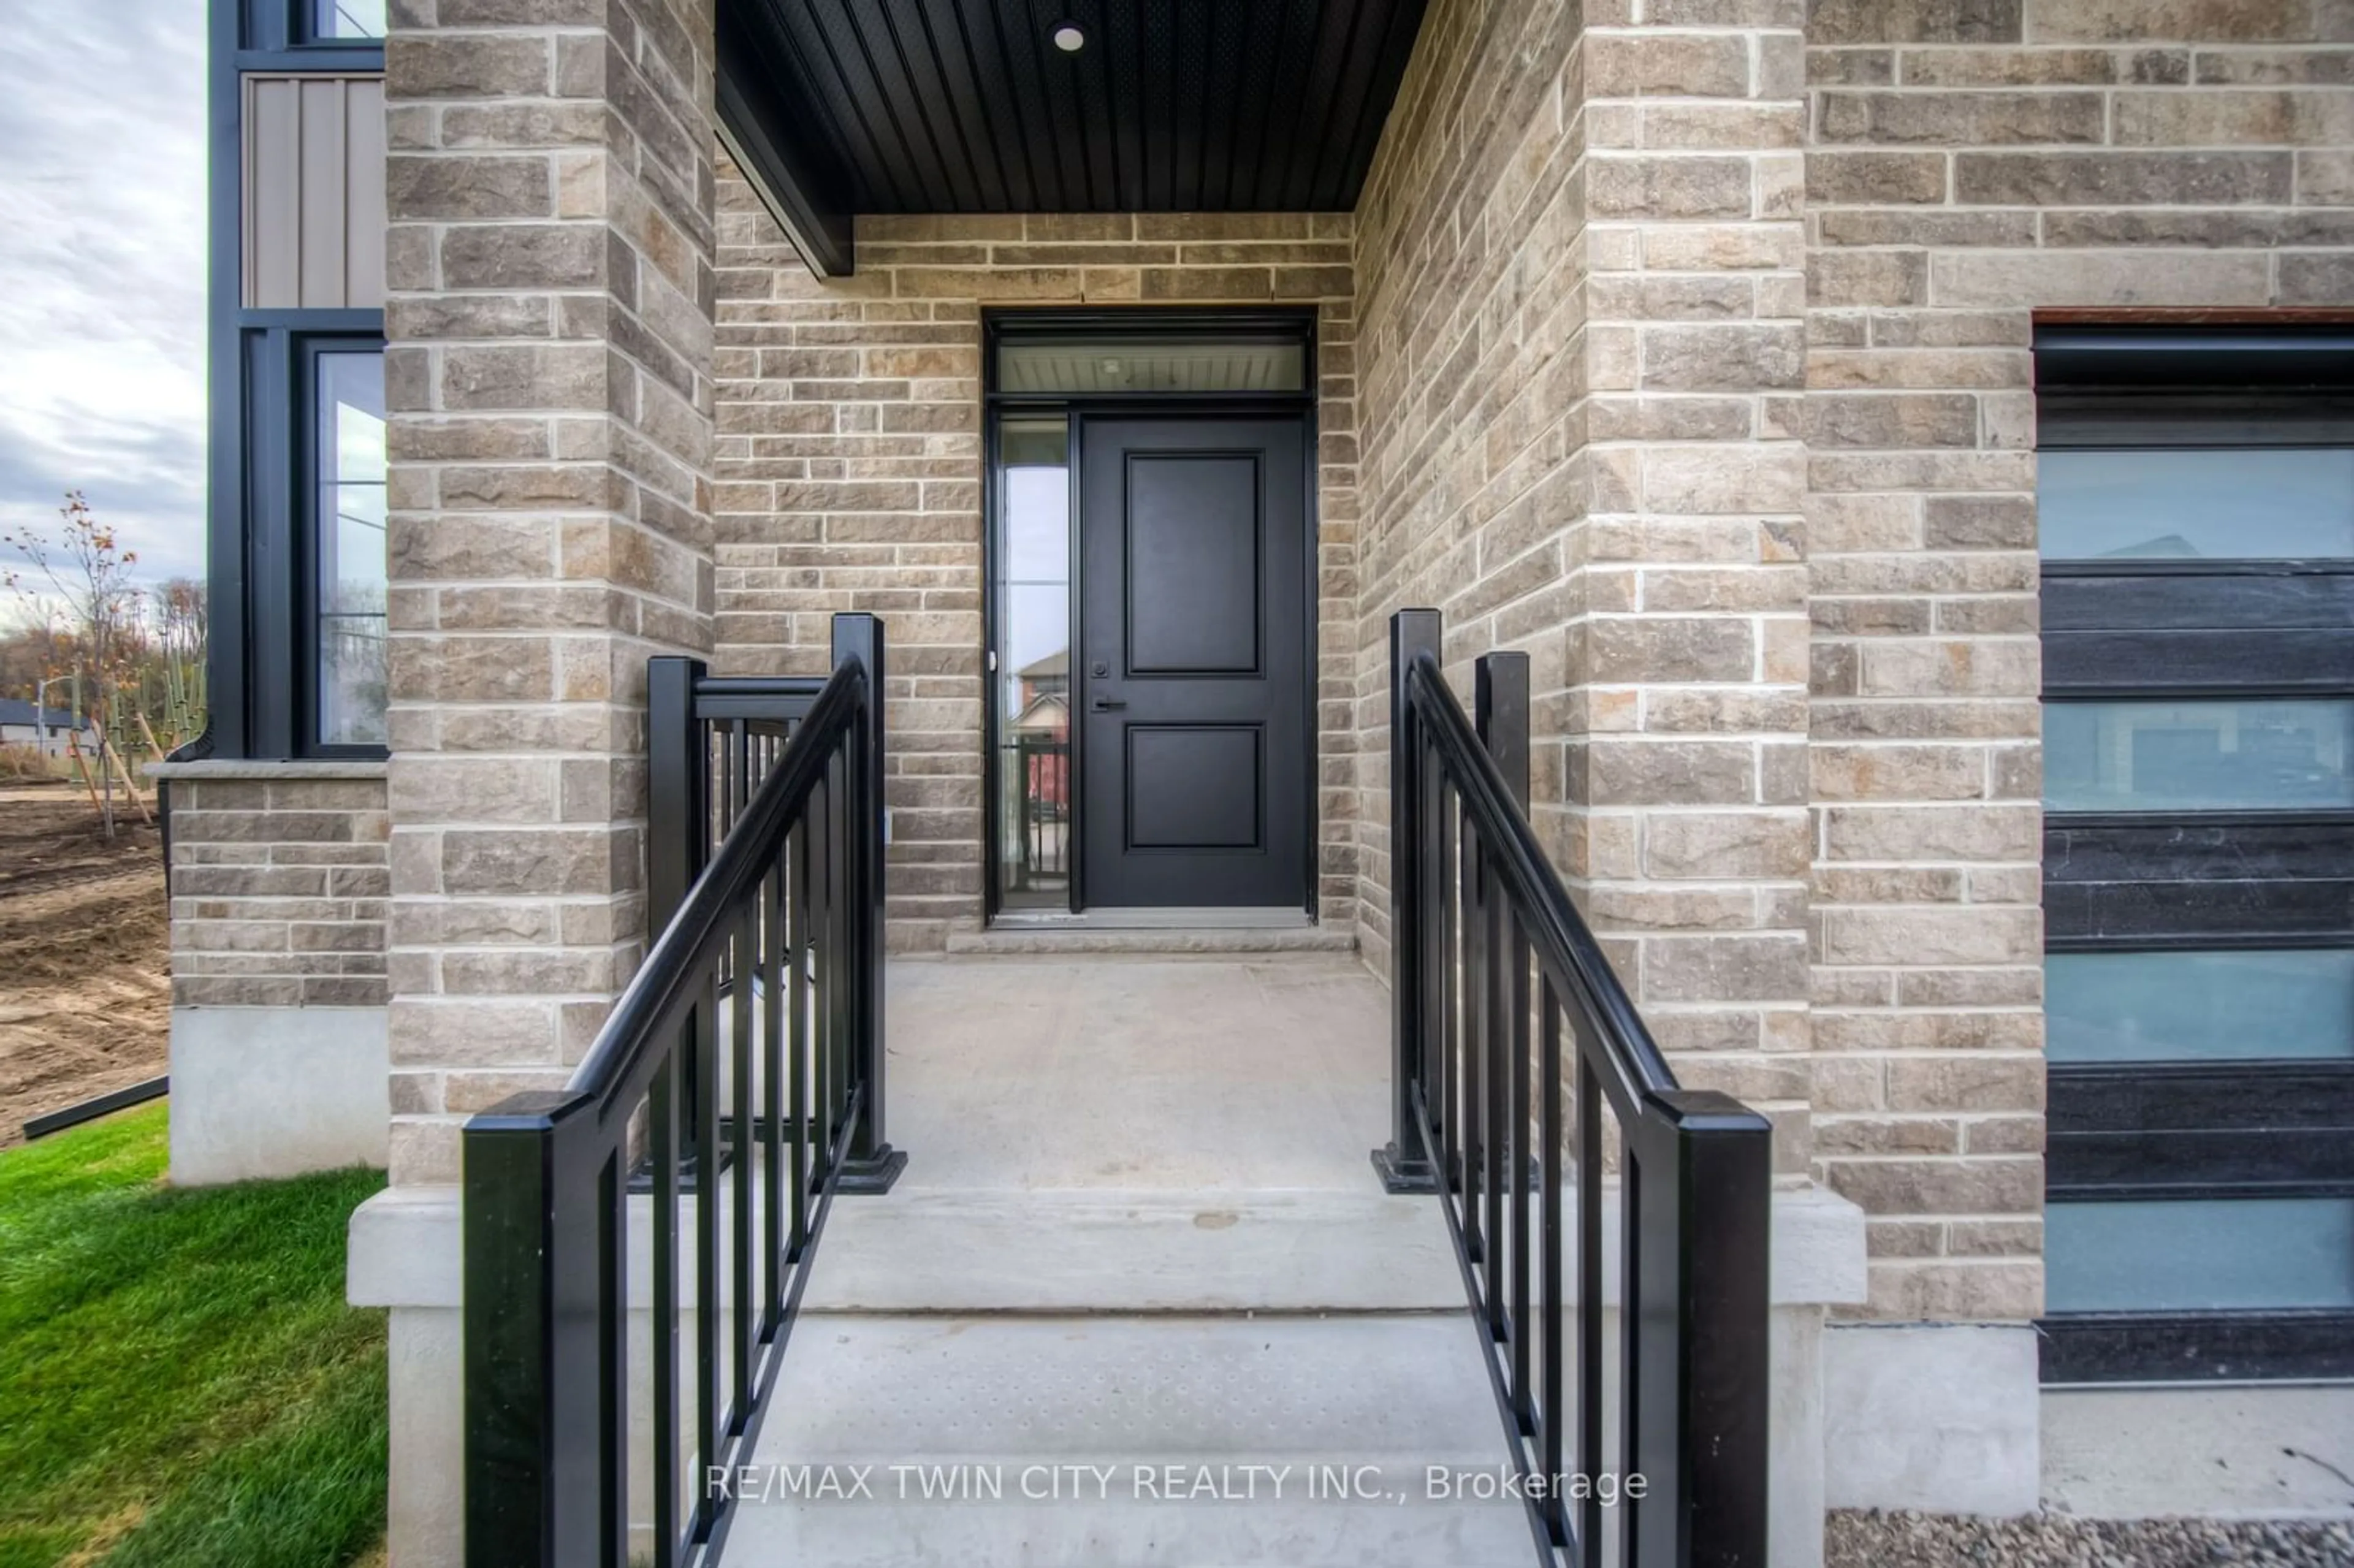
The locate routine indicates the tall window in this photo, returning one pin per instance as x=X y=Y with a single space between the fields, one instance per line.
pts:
x=1031 y=657
x=2196 y=504
x=347 y=533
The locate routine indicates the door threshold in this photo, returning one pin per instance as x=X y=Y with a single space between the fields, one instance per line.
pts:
x=1175 y=919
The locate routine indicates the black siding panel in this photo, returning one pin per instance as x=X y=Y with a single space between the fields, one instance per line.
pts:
x=2221 y=662
x=2138 y=1347
x=2235 y=883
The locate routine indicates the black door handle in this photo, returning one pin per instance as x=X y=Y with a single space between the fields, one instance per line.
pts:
x=1106 y=705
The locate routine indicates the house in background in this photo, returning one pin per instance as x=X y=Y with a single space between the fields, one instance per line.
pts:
x=51 y=731
x=1909 y=442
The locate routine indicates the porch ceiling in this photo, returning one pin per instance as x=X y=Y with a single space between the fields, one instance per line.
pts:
x=837 y=107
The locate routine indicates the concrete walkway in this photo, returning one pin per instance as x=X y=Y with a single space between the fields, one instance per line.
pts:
x=1139 y=1297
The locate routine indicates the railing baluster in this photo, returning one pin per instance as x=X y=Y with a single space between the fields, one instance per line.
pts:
x=1635 y=1346
x=797 y=882
x=822 y=850
x=1549 y=1140
x=1590 y=1301
x=744 y=966
x=1435 y=892
x=707 y=1154
x=839 y=816
x=773 y=895
x=1494 y=1137
x=1450 y=930
x=1517 y=1164
x=663 y=1120
x=613 y=1360
x=1475 y=993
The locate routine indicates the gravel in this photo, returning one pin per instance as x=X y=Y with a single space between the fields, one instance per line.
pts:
x=2058 y=1540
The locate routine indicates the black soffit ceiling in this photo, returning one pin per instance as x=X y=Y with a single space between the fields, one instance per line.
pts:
x=968 y=106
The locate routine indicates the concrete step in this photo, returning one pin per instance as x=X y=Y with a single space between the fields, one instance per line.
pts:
x=1141 y=1442
x=1142 y=1250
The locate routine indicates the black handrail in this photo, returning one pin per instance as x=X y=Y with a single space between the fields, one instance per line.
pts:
x=791 y=903
x=1477 y=912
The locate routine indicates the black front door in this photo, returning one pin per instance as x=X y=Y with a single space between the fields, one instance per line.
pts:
x=1192 y=677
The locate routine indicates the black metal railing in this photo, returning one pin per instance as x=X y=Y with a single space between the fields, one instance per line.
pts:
x=559 y=1474
x=710 y=739
x=1655 y=1458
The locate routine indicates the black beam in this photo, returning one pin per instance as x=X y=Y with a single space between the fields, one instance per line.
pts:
x=806 y=199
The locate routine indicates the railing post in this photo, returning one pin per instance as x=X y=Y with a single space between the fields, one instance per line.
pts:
x=678 y=788
x=1703 y=1197
x=871 y=1164
x=1403 y=1164
x=546 y=1429
x=1500 y=712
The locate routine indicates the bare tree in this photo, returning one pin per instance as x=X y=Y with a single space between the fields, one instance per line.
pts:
x=84 y=569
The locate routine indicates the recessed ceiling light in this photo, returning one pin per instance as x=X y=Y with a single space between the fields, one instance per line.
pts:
x=1069 y=37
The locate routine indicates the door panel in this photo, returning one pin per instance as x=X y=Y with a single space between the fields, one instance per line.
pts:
x=1194 y=550
x=1193 y=665
x=1195 y=786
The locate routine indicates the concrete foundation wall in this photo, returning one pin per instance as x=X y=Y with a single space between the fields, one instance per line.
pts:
x=276 y=1091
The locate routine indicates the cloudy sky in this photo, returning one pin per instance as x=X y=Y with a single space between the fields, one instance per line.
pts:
x=102 y=269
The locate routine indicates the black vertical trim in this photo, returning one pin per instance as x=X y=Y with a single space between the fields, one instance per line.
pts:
x=253 y=486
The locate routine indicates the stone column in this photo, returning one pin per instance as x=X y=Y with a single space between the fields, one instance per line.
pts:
x=549 y=378
x=1689 y=651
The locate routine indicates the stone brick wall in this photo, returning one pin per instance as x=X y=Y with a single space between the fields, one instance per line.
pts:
x=278 y=889
x=1580 y=359
x=551 y=192
x=849 y=477
x=1971 y=162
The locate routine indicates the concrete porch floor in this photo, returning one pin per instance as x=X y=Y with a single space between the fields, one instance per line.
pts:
x=1137 y=1133
x=1138 y=1231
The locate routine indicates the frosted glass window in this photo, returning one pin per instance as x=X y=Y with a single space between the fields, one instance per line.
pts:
x=1142 y=365
x=2205 y=1255
x=2179 y=1007
x=2196 y=756
x=2195 y=504
x=347 y=19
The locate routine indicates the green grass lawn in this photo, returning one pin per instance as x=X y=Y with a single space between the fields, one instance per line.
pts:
x=180 y=1381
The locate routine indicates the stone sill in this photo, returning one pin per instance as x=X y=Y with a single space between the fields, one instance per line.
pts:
x=307 y=768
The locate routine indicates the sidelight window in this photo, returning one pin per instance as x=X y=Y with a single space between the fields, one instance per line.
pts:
x=1030 y=656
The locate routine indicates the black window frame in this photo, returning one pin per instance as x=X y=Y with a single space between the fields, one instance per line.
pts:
x=2156 y=881
x=262 y=634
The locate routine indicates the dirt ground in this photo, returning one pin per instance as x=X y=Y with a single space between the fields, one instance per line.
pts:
x=85 y=957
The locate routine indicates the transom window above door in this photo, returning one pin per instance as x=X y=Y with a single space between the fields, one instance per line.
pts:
x=1092 y=367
